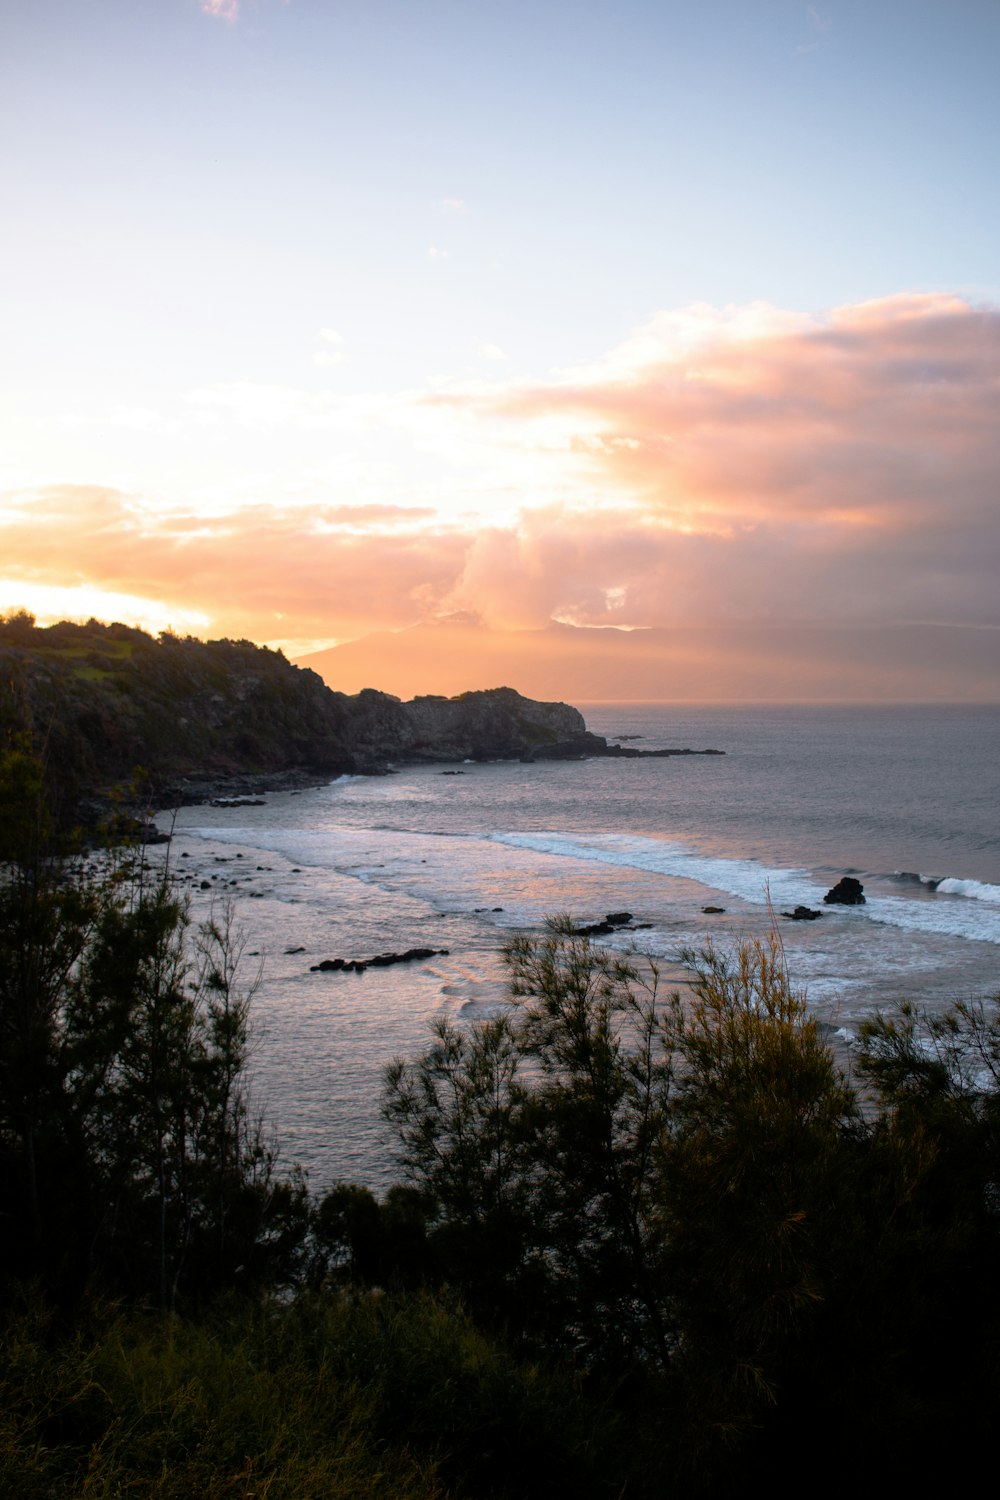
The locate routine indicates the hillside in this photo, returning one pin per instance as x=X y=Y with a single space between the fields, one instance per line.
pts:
x=99 y=701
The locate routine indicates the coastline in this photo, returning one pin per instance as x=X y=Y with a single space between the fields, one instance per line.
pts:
x=412 y=860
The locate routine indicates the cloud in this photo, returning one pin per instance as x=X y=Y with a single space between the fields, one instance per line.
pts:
x=335 y=350
x=334 y=571
x=225 y=10
x=258 y=405
x=454 y=208
x=329 y=357
x=760 y=465
x=819 y=26
x=719 y=466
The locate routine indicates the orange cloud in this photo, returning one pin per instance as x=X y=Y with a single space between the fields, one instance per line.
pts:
x=264 y=573
x=719 y=467
x=767 y=472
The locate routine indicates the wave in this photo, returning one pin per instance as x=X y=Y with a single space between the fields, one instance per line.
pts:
x=761 y=885
x=746 y=878
x=950 y=885
x=975 y=890
x=430 y=866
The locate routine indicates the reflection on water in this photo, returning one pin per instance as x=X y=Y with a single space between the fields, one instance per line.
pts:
x=418 y=860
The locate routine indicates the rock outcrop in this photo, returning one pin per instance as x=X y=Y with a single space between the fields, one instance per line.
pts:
x=493 y=724
x=847 y=892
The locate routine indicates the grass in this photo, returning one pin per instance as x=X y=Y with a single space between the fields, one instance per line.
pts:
x=88 y=646
x=375 y=1398
x=174 y=1410
x=93 y=674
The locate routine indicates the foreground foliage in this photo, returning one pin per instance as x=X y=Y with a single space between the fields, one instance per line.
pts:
x=130 y=1147
x=327 y=1398
x=645 y=1243
x=688 y=1193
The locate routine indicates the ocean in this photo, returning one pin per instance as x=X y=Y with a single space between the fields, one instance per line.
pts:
x=905 y=799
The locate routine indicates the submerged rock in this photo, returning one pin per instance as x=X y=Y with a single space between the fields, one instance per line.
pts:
x=612 y=922
x=379 y=961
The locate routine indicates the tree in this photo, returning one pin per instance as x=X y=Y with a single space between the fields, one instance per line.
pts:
x=593 y=1026
x=534 y=1137
x=757 y=1172
x=935 y=1174
x=124 y=1111
x=47 y=914
x=648 y=1183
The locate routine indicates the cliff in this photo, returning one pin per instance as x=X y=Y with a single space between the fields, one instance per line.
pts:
x=494 y=724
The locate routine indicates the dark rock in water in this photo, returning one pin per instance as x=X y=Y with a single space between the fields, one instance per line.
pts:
x=847 y=892
x=612 y=922
x=713 y=911
x=379 y=961
x=803 y=914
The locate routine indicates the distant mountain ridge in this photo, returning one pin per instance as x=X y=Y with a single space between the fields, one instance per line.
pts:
x=725 y=663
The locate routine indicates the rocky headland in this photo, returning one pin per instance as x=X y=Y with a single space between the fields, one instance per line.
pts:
x=213 y=720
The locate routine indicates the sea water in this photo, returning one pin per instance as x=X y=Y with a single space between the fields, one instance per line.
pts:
x=905 y=799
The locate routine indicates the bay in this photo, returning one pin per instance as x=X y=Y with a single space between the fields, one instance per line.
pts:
x=458 y=858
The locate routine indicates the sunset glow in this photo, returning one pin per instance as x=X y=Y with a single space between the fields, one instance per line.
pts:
x=317 y=335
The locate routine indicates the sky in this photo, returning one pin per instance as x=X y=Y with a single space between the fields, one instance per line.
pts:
x=325 y=317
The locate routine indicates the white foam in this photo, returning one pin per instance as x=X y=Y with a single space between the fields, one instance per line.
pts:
x=444 y=868
x=947 y=918
x=757 y=884
x=975 y=890
x=746 y=878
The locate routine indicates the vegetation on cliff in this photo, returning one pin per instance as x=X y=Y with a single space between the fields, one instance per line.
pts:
x=100 y=701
